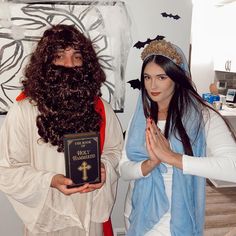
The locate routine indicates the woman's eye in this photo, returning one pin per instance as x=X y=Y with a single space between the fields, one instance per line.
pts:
x=162 y=77
x=146 y=77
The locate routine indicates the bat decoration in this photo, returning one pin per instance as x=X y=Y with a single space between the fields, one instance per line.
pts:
x=124 y=134
x=140 y=44
x=135 y=83
x=176 y=17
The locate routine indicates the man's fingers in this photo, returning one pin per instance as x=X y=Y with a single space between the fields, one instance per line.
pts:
x=81 y=189
x=62 y=180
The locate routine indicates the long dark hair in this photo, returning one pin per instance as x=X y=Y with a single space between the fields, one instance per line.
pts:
x=60 y=37
x=65 y=97
x=184 y=100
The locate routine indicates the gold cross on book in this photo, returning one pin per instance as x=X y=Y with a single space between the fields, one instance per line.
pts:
x=84 y=168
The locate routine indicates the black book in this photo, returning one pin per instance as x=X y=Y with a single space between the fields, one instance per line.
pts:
x=82 y=158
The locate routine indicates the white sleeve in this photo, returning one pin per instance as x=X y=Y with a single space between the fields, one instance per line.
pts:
x=26 y=187
x=104 y=198
x=129 y=170
x=220 y=162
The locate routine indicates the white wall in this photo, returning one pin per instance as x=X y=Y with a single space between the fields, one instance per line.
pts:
x=10 y=224
x=202 y=38
x=147 y=22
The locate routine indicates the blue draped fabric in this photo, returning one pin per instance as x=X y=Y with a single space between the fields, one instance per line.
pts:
x=149 y=199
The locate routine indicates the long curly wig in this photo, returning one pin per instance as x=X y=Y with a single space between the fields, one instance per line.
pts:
x=65 y=97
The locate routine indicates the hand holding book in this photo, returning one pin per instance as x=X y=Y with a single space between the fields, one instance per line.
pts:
x=61 y=183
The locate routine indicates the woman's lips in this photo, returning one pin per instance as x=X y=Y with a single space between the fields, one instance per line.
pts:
x=155 y=93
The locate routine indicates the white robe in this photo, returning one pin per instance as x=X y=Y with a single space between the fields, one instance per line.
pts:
x=27 y=166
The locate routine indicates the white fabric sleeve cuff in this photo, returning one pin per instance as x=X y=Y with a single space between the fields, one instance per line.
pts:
x=185 y=162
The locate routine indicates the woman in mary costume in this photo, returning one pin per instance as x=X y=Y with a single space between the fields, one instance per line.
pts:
x=173 y=136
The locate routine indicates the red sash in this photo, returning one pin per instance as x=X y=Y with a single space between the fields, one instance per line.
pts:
x=107 y=226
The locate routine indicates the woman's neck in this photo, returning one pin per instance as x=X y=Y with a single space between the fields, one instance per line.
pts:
x=162 y=113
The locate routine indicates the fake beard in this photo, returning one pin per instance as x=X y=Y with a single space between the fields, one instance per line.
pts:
x=69 y=89
x=68 y=105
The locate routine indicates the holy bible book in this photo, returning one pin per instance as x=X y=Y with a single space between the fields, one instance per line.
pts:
x=82 y=158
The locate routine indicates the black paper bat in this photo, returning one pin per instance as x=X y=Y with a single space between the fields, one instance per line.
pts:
x=140 y=44
x=124 y=134
x=176 y=17
x=135 y=83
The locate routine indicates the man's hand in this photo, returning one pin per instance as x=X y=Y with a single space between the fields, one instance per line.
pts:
x=92 y=187
x=60 y=182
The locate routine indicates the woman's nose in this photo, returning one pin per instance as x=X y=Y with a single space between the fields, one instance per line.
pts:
x=153 y=83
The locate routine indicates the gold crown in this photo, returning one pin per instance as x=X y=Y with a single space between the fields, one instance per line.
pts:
x=163 y=48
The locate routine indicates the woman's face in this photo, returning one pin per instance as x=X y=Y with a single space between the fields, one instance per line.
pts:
x=68 y=57
x=159 y=86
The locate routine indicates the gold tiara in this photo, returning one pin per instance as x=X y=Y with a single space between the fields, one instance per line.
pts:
x=163 y=48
